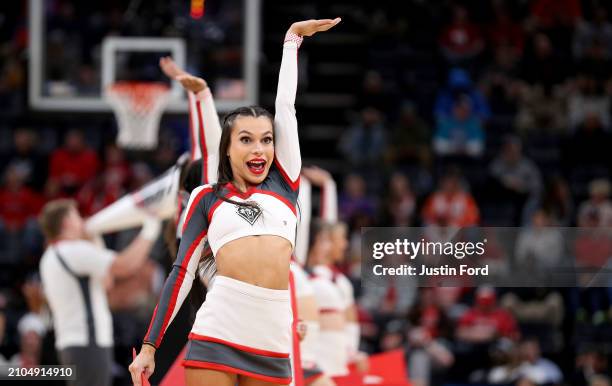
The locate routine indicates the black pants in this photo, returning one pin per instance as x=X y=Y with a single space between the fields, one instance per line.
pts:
x=93 y=365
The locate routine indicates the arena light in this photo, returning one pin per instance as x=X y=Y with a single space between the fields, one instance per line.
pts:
x=197 y=9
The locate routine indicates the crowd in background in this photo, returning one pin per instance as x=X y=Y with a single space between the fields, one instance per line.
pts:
x=517 y=133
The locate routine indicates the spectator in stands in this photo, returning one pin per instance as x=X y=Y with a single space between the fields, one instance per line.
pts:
x=106 y=187
x=598 y=206
x=410 y=138
x=364 y=144
x=592 y=298
x=427 y=336
x=540 y=247
x=479 y=328
x=587 y=99
x=25 y=157
x=354 y=201
x=461 y=40
x=31 y=333
x=590 y=363
x=539 y=370
x=539 y=311
x=540 y=110
x=557 y=201
x=451 y=204
x=98 y=193
x=460 y=85
x=19 y=206
x=516 y=179
x=460 y=134
x=18 y=203
x=587 y=33
x=486 y=322
x=504 y=368
x=401 y=202
x=506 y=360
x=74 y=164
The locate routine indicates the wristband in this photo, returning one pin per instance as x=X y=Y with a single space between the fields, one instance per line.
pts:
x=291 y=37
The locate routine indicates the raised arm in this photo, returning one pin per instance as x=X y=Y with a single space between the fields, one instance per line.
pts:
x=287 y=146
x=204 y=125
x=329 y=193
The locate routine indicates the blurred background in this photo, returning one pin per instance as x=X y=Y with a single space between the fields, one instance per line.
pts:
x=503 y=106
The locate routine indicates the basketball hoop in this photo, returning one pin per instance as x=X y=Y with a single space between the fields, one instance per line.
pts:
x=138 y=107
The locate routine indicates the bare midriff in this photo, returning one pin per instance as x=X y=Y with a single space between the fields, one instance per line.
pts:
x=332 y=321
x=259 y=260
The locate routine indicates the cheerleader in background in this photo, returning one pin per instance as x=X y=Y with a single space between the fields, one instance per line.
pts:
x=327 y=265
x=204 y=139
x=307 y=306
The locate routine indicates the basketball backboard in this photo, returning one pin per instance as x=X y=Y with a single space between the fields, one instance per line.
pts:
x=78 y=48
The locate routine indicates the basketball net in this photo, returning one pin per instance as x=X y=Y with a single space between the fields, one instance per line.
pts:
x=138 y=107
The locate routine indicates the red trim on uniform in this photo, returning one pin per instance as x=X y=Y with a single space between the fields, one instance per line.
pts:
x=213 y=208
x=179 y=283
x=146 y=338
x=203 y=148
x=294 y=185
x=191 y=136
x=237 y=346
x=236 y=193
x=194 y=204
x=297 y=356
x=230 y=369
x=279 y=197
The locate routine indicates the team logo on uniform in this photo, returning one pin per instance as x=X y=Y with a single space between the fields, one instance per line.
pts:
x=249 y=213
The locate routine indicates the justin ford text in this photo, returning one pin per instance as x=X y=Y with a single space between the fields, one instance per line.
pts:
x=412 y=249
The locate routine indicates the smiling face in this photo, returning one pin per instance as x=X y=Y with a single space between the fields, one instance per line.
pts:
x=251 y=149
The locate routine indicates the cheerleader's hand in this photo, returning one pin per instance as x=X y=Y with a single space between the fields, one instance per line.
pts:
x=170 y=68
x=312 y=26
x=143 y=365
x=192 y=83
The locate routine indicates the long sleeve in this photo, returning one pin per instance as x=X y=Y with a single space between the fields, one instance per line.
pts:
x=329 y=201
x=205 y=133
x=303 y=231
x=179 y=282
x=287 y=146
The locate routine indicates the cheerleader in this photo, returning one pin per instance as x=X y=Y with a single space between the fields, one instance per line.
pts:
x=241 y=334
